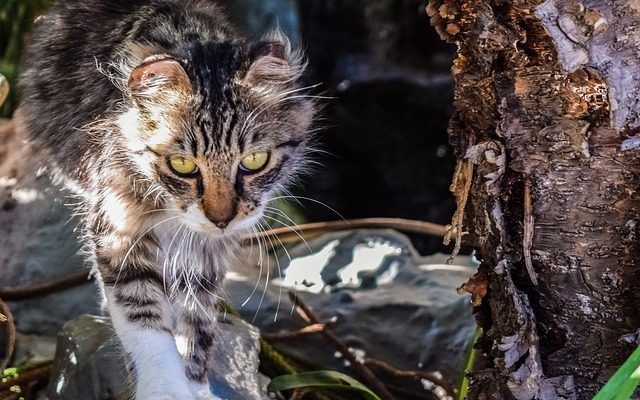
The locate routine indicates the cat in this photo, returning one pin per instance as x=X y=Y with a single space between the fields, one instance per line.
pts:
x=174 y=133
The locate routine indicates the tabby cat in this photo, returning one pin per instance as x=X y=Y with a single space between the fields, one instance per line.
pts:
x=175 y=133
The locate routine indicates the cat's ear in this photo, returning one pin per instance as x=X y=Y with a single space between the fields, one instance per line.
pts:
x=159 y=76
x=273 y=62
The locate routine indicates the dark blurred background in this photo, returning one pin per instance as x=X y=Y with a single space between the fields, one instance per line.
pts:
x=387 y=73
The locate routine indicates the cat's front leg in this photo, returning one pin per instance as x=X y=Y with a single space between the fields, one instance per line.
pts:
x=143 y=321
x=195 y=334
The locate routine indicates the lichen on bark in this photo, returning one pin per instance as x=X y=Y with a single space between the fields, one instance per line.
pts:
x=552 y=87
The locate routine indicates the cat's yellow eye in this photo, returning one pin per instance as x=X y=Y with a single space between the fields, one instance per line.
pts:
x=254 y=162
x=182 y=165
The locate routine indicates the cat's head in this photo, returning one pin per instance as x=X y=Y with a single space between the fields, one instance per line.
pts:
x=218 y=129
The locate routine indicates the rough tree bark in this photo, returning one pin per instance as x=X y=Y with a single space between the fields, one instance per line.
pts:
x=547 y=136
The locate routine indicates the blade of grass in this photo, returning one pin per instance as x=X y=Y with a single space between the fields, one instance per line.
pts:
x=629 y=387
x=624 y=381
x=470 y=359
x=321 y=380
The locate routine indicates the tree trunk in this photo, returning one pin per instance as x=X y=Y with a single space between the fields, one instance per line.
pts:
x=547 y=136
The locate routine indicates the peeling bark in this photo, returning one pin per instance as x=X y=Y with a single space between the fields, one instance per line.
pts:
x=548 y=113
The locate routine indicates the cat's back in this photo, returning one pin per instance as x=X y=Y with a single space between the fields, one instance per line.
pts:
x=70 y=67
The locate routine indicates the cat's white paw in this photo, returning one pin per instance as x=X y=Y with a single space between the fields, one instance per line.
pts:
x=182 y=392
x=206 y=395
x=166 y=396
x=201 y=391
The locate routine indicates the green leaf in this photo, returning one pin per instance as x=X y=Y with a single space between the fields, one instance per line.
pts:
x=322 y=380
x=624 y=382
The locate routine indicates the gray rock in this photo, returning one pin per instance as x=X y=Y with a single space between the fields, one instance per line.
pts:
x=37 y=240
x=33 y=349
x=390 y=303
x=89 y=364
x=234 y=365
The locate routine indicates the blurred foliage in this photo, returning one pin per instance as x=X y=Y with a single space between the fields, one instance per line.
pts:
x=16 y=18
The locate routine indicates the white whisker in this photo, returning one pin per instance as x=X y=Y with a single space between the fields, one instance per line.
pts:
x=284 y=248
x=255 y=288
x=292 y=229
x=311 y=200
x=266 y=284
x=275 y=317
x=166 y=261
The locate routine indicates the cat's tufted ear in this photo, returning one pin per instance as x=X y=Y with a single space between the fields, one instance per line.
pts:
x=159 y=76
x=273 y=62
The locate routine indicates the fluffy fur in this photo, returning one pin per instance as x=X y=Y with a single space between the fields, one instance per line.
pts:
x=113 y=88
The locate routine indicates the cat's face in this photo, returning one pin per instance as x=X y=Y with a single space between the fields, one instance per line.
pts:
x=219 y=134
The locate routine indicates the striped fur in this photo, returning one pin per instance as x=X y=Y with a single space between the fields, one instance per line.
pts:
x=110 y=90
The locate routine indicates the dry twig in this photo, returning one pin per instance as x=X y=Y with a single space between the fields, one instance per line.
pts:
x=287 y=335
x=45 y=288
x=400 y=224
x=25 y=377
x=374 y=363
x=391 y=370
x=368 y=377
